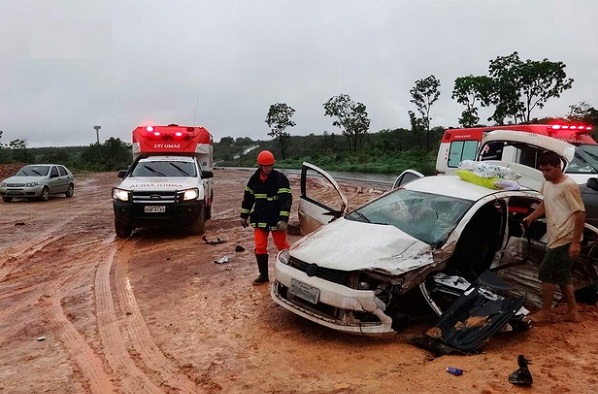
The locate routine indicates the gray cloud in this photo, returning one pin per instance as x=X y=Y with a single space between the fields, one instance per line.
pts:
x=67 y=66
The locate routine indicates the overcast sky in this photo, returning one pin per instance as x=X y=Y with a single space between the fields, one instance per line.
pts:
x=69 y=65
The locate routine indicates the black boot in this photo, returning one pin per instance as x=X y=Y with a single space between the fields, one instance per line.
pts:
x=262 y=265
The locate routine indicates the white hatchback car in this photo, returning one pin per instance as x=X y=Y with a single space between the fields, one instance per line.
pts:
x=38 y=181
x=359 y=273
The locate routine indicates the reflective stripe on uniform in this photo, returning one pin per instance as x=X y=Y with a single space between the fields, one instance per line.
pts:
x=244 y=210
x=284 y=190
x=284 y=213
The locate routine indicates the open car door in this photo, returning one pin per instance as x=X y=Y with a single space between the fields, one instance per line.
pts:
x=406 y=177
x=321 y=199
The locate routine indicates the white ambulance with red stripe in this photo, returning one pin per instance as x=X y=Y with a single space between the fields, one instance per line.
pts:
x=169 y=183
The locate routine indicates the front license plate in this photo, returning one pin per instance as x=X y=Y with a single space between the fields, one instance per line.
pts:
x=304 y=291
x=154 y=209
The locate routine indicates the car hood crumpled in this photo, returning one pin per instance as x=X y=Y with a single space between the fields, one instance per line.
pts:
x=349 y=245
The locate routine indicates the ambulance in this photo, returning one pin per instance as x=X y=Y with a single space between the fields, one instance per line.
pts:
x=470 y=144
x=169 y=183
x=519 y=147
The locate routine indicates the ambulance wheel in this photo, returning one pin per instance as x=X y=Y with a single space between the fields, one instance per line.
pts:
x=199 y=225
x=209 y=212
x=122 y=230
x=7 y=199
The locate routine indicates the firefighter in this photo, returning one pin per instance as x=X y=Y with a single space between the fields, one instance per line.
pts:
x=266 y=207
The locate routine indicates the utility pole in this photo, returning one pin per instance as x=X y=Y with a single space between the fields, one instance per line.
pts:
x=97 y=129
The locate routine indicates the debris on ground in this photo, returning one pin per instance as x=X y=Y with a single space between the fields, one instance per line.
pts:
x=216 y=242
x=522 y=376
x=221 y=260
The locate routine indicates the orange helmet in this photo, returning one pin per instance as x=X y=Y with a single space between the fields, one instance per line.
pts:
x=265 y=158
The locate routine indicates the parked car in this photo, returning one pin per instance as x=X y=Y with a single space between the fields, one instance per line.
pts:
x=38 y=181
x=361 y=272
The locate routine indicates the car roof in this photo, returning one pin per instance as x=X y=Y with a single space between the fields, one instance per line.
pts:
x=43 y=165
x=452 y=186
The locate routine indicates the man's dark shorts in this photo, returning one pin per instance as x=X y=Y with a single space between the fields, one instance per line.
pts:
x=556 y=266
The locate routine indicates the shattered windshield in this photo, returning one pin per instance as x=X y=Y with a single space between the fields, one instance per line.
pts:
x=33 y=171
x=164 y=168
x=427 y=217
x=585 y=160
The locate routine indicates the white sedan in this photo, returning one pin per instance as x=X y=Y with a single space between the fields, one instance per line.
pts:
x=364 y=272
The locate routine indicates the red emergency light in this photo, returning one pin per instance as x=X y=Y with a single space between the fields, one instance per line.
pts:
x=578 y=128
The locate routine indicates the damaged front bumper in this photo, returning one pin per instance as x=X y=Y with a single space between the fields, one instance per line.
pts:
x=330 y=304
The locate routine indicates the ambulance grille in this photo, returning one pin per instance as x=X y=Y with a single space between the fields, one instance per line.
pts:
x=149 y=197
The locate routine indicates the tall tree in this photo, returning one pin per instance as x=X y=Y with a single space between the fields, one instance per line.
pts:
x=582 y=112
x=424 y=94
x=19 y=151
x=278 y=119
x=470 y=91
x=520 y=86
x=352 y=118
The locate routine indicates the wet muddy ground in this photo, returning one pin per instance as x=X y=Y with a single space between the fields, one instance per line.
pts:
x=84 y=312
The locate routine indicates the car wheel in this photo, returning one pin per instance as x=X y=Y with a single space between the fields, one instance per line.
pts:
x=199 y=225
x=7 y=199
x=122 y=230
x=45 y=196
x=70 y=191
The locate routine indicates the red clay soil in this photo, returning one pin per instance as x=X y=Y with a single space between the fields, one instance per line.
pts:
x=84 y=312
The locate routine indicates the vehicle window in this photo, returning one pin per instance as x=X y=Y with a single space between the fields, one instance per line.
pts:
x=62 y=171
x=164 y=169
x=427 y=217
x=585 y=160
x=480 y=240
x=53 y=172
x=405 y=178
x=461 y=150
x=492 y=151
x=319 y=190
x=33 y=171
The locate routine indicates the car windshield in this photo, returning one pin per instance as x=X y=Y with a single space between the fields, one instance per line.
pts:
x=585 y=160
x=427 y=217
x=164 y=168
x=33 y=171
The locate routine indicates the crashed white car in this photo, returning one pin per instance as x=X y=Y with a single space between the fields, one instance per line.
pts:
x=359 y=273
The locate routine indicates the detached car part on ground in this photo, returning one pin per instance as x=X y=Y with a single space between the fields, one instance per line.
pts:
x=38 y=181
x=367 y=272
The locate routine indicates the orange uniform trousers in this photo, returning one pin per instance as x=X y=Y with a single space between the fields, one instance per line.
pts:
x=260 y=236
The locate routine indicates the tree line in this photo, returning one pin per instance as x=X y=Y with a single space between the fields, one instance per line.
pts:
x=512 y=88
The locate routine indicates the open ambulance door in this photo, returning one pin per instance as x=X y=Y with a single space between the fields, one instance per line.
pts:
x=321 y=199
x=520 y=152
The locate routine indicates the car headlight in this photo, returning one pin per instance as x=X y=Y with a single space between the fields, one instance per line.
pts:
x=190 y=194
x=31 y=184
x=2 y=184
x=120 y=194
x=284 y=257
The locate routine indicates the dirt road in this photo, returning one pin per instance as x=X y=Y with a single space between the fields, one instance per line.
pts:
x=83 y=312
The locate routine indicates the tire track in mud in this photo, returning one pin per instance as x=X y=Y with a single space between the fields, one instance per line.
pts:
x=127 y=343
x=18 y=315
x=90 y=364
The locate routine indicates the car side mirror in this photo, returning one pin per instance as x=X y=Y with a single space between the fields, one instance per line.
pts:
x=207 y=174
x=592 y=183
x=122 y=173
